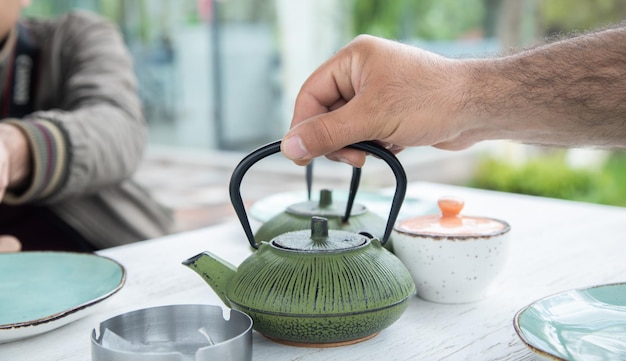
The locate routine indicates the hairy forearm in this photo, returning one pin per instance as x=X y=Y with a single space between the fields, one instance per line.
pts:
x=568 y=93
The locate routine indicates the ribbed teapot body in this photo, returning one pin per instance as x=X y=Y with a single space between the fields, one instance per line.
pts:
x=321 y=297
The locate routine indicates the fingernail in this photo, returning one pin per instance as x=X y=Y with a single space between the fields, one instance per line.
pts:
x=293 y=148
x=342 y=159
x=345 y=160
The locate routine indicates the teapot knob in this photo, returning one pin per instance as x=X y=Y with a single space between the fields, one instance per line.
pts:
x=326 y=198
x=319 y=228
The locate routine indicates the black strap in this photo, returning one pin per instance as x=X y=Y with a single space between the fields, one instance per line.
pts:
x=21 y=82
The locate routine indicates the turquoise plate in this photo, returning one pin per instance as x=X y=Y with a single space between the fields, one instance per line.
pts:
x=584 y=324
x=40 y=291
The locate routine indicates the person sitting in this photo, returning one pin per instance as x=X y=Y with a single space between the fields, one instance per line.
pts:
x=71 y=135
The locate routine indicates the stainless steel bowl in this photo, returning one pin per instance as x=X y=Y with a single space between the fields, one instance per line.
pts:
x=174 y=333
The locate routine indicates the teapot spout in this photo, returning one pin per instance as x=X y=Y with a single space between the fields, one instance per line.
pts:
x=215 y=271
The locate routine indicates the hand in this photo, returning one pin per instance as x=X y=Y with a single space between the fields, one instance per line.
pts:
x=15 y=158
x=376 y=89
x=9 y=244
x=566 y=93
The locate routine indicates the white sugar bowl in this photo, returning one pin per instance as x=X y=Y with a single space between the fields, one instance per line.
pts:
x=452 y=258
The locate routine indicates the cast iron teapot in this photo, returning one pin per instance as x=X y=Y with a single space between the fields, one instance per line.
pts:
x=317 y=287
x=344 y=215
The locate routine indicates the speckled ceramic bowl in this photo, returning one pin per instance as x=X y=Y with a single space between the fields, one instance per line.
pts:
x=452 y=258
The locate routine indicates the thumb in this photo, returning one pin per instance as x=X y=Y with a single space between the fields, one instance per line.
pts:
x=326 y=134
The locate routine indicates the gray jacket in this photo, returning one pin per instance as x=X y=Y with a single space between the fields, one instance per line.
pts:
x=87 y=132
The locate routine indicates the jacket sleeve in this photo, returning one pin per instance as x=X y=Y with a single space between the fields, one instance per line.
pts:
x=91 y=135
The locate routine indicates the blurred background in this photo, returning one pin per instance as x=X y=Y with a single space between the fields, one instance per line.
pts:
x=218 y=78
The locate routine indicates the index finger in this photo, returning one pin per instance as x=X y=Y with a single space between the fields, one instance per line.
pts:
x=329 y=87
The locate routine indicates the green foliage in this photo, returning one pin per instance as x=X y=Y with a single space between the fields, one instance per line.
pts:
x=44 y=9
x=451 y=19
x=424 y=19
x=51 y=9
x=550 y=176
x=566 y=15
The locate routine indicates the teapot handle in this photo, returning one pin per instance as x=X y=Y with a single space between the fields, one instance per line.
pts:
x=271 y=148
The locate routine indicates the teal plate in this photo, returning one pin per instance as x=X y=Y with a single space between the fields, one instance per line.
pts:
x=584 y=324
x=377 y=202
x=40 y=291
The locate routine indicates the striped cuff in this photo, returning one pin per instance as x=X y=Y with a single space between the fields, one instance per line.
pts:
x=50 y=156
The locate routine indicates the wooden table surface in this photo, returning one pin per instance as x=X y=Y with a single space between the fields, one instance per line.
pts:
x=556 y=246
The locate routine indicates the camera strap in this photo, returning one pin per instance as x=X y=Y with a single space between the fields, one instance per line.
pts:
x=22 y=76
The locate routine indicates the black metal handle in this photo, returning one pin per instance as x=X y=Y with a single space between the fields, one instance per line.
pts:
x=271 y=148
x=309 y=179
x=354 y=187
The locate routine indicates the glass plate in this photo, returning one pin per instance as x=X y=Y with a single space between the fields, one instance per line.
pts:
x=40 y=291
x=584 y=324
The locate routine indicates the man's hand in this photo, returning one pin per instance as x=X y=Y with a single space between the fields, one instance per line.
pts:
x=376 y=89
x=567 y=93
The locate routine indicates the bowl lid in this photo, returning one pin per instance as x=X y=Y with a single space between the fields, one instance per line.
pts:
x=319 y=239
x=450 y=223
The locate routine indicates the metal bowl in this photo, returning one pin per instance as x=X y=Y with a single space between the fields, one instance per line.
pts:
x=174 y=333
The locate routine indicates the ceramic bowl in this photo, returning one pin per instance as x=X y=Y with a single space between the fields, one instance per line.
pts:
x=452 y=258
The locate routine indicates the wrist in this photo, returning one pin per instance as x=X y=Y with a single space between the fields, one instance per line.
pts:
x=20 y=162
x=48 y=161
x=495 y=104
x=476 y=95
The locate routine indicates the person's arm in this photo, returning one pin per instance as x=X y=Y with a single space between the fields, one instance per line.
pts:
x=93 y=134
x=568 y=93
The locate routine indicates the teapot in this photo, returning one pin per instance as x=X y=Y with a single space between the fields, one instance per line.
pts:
x=318 y=287
x=344 y=215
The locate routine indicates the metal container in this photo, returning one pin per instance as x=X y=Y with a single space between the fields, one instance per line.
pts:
x=174 y=333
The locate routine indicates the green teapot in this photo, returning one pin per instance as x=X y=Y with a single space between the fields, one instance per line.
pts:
x=343 y=215
x=316 y=287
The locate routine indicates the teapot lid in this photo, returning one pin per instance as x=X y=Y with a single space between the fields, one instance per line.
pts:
x=319 y=239
x=451 y=224
x=324 y=207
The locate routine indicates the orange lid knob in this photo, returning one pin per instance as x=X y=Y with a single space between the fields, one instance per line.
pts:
x=450 y=206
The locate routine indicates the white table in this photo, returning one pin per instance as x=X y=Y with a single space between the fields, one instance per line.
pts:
x=557 y=245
